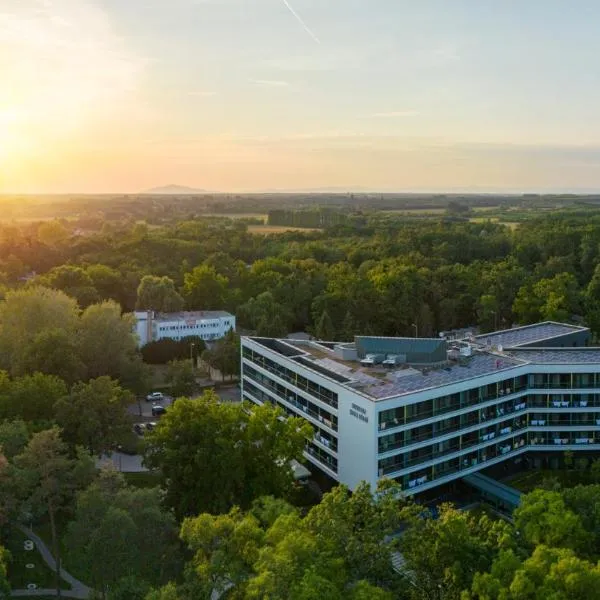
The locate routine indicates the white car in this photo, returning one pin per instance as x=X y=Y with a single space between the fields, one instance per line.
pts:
x=155 y=397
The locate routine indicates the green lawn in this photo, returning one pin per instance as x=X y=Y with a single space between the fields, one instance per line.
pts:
x=18 y=573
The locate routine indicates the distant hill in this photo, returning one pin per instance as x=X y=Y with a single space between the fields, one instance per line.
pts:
x=175 y=189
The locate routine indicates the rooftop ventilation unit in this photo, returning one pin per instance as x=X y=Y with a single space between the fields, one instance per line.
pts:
x=394 y=359
x=372 y=359
x=466 y=350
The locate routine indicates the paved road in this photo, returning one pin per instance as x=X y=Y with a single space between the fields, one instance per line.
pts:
x=126 y=463
x=78 y=589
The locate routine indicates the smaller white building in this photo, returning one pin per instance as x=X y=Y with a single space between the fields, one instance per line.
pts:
x=208 y=325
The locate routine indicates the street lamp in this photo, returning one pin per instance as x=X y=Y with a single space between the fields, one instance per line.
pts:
x=416 y=329
x=119 y=448
x=192 y=345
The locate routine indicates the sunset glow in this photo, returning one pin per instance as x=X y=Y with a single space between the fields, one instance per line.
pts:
x=105 y=96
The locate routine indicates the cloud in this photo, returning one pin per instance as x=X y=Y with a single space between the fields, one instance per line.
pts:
x=301 y=21
x=397 y=114
x=270 y=83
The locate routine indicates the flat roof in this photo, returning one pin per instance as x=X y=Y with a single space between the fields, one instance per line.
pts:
x=529 y=334
x=197 y=314
x=379 y=382
x=549 y=356
x=475 y=366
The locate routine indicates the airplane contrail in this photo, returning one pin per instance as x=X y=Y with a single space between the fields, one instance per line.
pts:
x=299 y=19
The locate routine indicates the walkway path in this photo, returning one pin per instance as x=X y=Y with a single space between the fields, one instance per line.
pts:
x=78 y=589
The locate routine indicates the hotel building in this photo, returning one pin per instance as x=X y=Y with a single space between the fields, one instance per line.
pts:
x=427 y=411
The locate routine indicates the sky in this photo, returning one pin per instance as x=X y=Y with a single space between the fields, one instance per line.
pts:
x=106 y=96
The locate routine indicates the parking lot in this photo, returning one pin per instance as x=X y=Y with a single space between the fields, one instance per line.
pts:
x=142 y=409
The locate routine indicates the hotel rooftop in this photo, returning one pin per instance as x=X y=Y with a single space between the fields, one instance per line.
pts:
x=384 y=367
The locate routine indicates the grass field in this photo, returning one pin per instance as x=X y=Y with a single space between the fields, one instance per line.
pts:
x=415 y=211
x=261 y=216
x=273 y=229
x=511 y=224
x=18 y=573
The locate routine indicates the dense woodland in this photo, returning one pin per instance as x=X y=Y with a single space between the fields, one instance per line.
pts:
x=220 y=512
x=376 y=274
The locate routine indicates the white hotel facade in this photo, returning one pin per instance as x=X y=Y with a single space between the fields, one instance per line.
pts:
x=425 y=412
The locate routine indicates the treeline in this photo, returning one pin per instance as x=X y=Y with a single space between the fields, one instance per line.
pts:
x=374 y=274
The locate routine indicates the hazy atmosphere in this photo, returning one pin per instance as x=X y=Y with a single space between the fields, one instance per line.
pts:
x=254 y=95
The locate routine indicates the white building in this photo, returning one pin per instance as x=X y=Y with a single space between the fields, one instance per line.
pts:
x=208 y=325
x=425 y=412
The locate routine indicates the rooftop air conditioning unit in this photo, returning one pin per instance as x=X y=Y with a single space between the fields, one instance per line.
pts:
x=466 y=350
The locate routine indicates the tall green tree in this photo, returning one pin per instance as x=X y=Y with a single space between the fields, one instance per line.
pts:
x=338 y=550
x=181 y=377
x=159 y=294
x=543 y=518
x=32 y=397
x=94 y=415
x=198 y=441
x=73 y=281
x=205 y=289
x=49 y=478
x=117 y=531
x=102 y=327
x=443 y=555
x=324 y=329
x=555 y=573
x=224 y=356
x=24 y=314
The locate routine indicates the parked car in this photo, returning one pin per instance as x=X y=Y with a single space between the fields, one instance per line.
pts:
x=155 y=397
x=158 y=410
x=150 y=426
x=139 y=428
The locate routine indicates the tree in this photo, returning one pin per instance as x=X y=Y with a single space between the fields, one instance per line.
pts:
x=107 y=282
x=32 y=397
x=198 y=441
x=50 y=479
x=555 y=573
x=553 y=299
x=13 y=437
x=54 y=352
x=52 y=233
x=181 y=377
x=118 y=530
x=163 y=351
x=265 y=315
x=336 y=551
x=443 y=555
x=24 y=314
x=4 y=559
x=324 y=329
x=73 y=281
x=205 y=289
x=103 y=327
x=543 y=518
x=159 y=294
x=94 y=415
x=224 y=356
